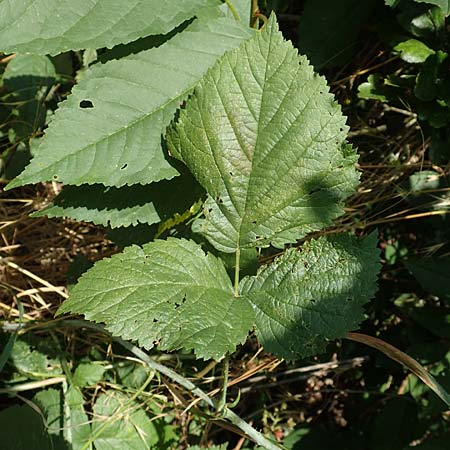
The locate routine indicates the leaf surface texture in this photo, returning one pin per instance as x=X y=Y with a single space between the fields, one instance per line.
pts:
x=56 y=26
x=266 y=139
x=109 y=130
x=167 y=293
x=306 y=298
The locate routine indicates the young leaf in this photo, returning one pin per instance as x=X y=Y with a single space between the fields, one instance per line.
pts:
x=109 y=130
x=413 y=51
x=306 y=298
x=52 y=27
x=65 y=416
x=167 y=293
x=119 y=423
x=266 y=139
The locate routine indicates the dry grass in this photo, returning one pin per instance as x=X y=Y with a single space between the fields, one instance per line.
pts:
x=36 y=253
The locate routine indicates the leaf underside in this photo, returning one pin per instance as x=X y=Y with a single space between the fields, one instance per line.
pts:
x=266 y=140
x=123 y=107
x=306 y=298
x=56 y=26
x=167 y=293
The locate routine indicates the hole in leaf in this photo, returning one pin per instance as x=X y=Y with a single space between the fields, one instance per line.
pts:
x=55 y=177
x=155 y=320
x=306 y=265
x=312 y=300
x=156 y=342
x=177 y=305
x=86 y=104
x=124 y=166
x=231 y=173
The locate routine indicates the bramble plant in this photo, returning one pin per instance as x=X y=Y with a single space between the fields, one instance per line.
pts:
x=266 y=144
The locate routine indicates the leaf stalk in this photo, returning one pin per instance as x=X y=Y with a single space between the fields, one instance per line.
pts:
x=233 y=10
x=254 y=11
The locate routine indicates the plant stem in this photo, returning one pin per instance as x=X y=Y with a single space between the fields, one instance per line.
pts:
x=227 y=414
x=233 y=10
x=254 y=14
x=223 y=398
x=236 y=271
x=254 y=435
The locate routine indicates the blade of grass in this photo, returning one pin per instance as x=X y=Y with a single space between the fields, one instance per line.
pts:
x=402 y=358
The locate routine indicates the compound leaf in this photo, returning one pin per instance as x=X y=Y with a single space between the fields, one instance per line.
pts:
x=167 y=293
x=109 y=130
x=266 y=140
x=56 y=26
x=306 y=298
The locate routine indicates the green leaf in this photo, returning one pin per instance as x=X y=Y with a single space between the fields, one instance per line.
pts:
x=433 y=274
x=56 y=26
x=391 y=3
x=119 y=423
x=306 y=298
x=266 y=140
x=167 y=293
x=125 y=206
x=413 y=51
x=375 y=88
x=109 y=130
x=65 y=417
x=15 y=420
x=88 y=374
x=28 y=78
x=329 y=30
x=443 y=4
x=32 y=361
x=428 y=83
x=424 y=180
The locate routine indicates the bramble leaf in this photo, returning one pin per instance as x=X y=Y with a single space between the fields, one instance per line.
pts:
x=125 y=206
x=266 y=140
x=167 y=293
x=52 y=27
x=65 y=416
x=123 y=107
x=306 y=298
x=119 y=423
